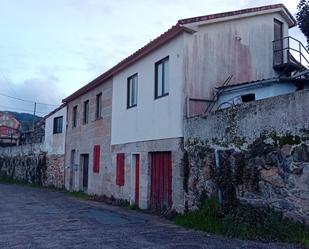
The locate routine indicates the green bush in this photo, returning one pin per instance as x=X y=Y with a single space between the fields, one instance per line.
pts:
x=244 y=222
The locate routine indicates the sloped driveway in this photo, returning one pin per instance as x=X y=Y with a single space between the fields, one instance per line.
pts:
x=37 y=218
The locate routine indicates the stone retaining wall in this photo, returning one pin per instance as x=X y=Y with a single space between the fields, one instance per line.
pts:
x=30 y=163
x=256 y=153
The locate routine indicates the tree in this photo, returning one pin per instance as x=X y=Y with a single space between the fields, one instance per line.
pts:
x=303 y=18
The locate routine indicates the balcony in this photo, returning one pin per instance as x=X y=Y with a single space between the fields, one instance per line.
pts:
x=290 y=56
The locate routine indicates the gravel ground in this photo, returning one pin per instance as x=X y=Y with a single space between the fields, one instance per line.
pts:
x=39 y=218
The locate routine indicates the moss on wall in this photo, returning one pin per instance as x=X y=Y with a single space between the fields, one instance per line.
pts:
x=26 y=168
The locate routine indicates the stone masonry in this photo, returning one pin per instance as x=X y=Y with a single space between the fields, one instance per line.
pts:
x=262 y=152
x=31 y=164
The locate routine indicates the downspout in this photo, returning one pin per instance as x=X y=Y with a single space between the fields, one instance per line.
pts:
x=218 y=170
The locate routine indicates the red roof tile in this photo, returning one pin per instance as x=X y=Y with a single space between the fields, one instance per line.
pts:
x=234 y=13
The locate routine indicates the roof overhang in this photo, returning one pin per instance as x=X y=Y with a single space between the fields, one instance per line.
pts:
x=244 y=13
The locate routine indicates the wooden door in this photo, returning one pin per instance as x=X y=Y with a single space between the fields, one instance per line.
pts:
x=278 y=43
x=85 y=163
x=161 y=180
x=137 y=170
x=72 y=167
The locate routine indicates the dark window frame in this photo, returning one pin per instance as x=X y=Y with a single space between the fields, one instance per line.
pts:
x=74 y=116
x=163 y=94
x=98 y=111
x=86 y=112
x=58 y=127
x=129 y=105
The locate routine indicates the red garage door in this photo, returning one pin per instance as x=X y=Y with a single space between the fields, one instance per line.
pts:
x=161 y=180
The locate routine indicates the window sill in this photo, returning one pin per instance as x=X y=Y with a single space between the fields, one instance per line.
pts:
x=161 y=96
x=130 y=107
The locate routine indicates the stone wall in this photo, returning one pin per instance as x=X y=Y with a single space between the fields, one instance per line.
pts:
x=30 y=163
x=84 y=137
x=256 y=153
x=144 y=148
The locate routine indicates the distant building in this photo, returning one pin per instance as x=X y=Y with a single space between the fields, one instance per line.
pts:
x=9 y=129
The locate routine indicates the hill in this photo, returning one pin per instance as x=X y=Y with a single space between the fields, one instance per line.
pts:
x=25 y=120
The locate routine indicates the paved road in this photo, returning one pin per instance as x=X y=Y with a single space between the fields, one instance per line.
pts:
x=37 y=218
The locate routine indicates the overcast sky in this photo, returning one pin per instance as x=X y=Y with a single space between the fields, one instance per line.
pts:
x=50 y=48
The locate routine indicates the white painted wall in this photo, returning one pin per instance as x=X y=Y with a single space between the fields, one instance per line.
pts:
x=240 y=47
x=151 y=118
x=55 y=143
x=261 y=91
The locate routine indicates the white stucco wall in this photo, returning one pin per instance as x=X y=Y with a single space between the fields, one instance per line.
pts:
x=55 y=143
x=151 y=118
x=261 y=91
x=240 y=47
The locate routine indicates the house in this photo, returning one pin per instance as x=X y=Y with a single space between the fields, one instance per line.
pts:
x=9 y=129
x=125 y=128
x=54 y=145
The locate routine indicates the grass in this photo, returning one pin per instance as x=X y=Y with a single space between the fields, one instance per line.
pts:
x=244 y=222
x=9 y=180
x=80 y=195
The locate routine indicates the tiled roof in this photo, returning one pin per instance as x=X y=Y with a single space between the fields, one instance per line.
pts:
x=234 y=13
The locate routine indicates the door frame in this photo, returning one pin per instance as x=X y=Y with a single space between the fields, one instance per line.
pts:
x=161 y=180
x=279 y=44
x=137 y=159
x=84 y=160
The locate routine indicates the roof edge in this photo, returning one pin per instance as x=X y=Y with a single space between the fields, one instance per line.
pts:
x=240 y=12
x=148 y=48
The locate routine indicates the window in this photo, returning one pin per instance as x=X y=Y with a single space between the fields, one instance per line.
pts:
x=162 y=78
x=120 y=169
x=98 y=112
x=86 y=112
x=132 y=91
x=58 y=125
x=248 y=97
x=96 y=159
x=74 y=116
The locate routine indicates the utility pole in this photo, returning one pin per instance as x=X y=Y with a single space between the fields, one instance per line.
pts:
x=33 y=118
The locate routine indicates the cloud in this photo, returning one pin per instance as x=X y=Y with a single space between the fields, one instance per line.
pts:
x=44 y=91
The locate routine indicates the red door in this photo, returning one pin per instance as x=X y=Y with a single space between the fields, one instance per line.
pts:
x=136 y=179
x=161 y=180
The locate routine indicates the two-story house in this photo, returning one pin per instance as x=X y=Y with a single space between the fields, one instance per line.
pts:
x=125 y=128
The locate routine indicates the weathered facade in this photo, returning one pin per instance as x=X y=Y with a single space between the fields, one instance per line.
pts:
x=54 y=145
x=134 y=151
x=81 y=138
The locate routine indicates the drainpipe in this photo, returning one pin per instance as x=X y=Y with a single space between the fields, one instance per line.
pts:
x=218 y=170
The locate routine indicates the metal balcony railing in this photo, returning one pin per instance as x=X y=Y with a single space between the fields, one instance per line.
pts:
x=289 y=51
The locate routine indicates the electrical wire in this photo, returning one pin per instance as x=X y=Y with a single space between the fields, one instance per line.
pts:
x=27 y=101
x=21 y=110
